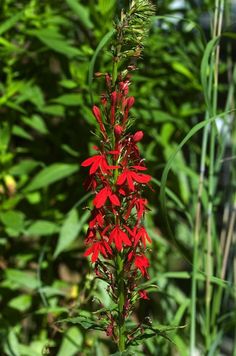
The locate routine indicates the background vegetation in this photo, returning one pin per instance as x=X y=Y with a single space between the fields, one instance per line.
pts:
x=45 y=132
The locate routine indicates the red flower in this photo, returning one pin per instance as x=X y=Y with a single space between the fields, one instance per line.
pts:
x=130 y=176
x=98 y=247
x=142 y=263
x=97 y=220
x=104 y=194
x=143 y=294
x=140 y=205
x=119 y=237
x=143 y=235
x=98 y=161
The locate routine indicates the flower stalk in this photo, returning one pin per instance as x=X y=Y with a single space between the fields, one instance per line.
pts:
x=117 y=239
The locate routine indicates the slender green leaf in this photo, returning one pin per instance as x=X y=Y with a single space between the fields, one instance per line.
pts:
x=51 y=174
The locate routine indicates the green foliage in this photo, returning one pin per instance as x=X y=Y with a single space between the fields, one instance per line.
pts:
x=48 y=58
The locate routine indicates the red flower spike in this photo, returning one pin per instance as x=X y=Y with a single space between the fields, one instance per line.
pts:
x=115 y=227
x=119 y=237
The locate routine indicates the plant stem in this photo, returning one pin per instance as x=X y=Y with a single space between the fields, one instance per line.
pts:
x=121 y=302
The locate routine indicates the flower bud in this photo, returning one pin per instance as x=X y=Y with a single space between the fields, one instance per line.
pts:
x=118 y=130
x=138 y=136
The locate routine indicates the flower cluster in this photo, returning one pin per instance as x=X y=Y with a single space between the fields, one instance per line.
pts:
x=117 y=239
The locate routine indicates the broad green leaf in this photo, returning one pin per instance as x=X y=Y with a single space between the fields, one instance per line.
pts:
x=70 y=230
x=55 y=41
x=14 y=221
x=24 y=167
x=21 y=278
x=37 y=123
x=51 y=174
x=69 y=99
x=56 y=110
x=11 y=345
x=179 y=67
x=42 y=228
x=71 y=343
x=81 y=11
x=69 y=84
x=19 y=131
x=105 y=6
x=21 y=303
x=84 y=321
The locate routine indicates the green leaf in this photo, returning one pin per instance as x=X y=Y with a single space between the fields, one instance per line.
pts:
x=105 y=6
x=11 y=345
x=69 y=99
x=180 y=68
x=68 y=84
x=205 y=67
x=55 y=41
x=6 y=25
x=21 y=279
x=70 y=230
x=100 y=46
x=24 y=167
x=37 y=123
x=42 y=228
x=14 y=221
x=5 y=135
x=81 y=11
x=84 y=321
x=21 y=303
x=71 y=343
x=56 y=110
x=19 y=131
x=51 y=174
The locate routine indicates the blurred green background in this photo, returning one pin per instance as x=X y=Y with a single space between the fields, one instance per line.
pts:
x=46 y=130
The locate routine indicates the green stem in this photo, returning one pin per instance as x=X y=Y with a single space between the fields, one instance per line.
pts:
x=121 y=302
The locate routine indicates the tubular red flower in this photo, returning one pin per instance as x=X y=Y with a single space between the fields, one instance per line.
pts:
x=102 y=196
x=142 y=263
x=119 y=237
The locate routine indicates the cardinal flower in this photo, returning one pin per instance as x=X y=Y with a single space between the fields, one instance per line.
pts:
x=142 y=263
x=96 y=248
x=104 y=194
x=119 y=237
x=142 y=235
x=96 y=162
x=129 y=177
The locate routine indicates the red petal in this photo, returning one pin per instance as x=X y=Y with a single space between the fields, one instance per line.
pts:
x=95 y=166
x=121 y=179
x=89 y=161
x=141 y=178
x=101 y=198
x=140 y=168
x=114 y=199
